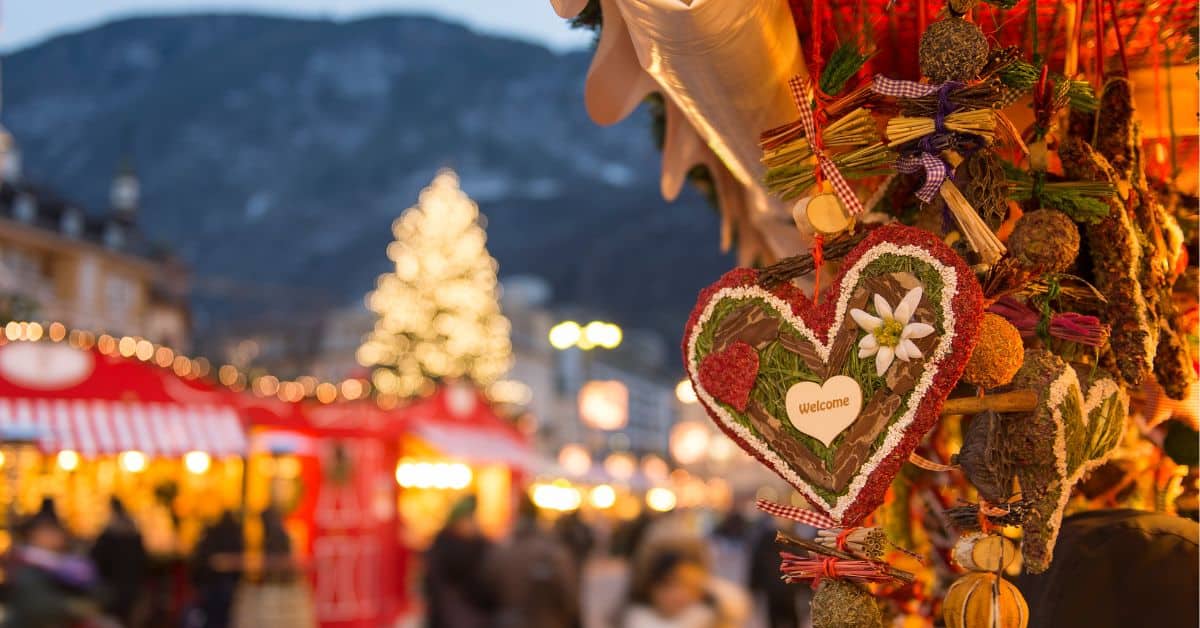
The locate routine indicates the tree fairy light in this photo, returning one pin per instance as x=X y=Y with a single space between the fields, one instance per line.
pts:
x=438 y=313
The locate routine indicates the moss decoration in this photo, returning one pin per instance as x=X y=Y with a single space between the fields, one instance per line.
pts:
x=1045 y=241
x=843 y=604
x=952 y=49
x=1074 y=429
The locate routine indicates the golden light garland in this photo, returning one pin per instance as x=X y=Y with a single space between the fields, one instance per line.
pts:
x=228 y=376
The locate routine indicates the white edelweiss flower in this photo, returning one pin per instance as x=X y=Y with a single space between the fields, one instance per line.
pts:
x=890 y=335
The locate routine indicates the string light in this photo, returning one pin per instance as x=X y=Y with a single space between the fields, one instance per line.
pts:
x=439 y=316
x=602 y=497
x=660 y=499
x=132 y=461
x=197 y=462
x=67 y=460
x=134 y=347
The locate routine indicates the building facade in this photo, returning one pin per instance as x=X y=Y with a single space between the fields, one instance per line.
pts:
x=91 y=271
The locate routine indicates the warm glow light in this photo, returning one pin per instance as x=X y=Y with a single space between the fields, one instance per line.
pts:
x=68 y=460
x=58 y=331
x=721 y=449
x=267 y=385
x=565 y=335
x=352 y=389
x=197 y=462
x=144 y=350
x=575 y=459
x=288 y=467
x=33 y=332
x=660 y=499
x=604 y=405
x=127 y=346
x=620 y=465
x=655 y=469
x=326 y=392
x=511 y=391
x=684 y=392
x=602 y=497
x=163 y=357
x=601 y=334
x=132 y=461
x=689 y=441
x=227 y=374
x=559 y=495
x=433 y=475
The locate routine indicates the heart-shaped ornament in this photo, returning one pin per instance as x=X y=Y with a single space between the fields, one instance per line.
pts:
x=839 y=394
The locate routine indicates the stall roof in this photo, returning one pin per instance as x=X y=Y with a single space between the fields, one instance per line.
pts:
x=67 y=398
x=458 y=421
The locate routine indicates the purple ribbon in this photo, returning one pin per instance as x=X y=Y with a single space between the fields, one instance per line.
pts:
x=930 y=147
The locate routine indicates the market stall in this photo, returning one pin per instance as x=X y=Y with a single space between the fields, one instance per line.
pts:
x=329 y=469
x=455 y=445
x=80 y=426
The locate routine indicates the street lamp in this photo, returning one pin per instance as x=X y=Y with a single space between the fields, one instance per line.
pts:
x=595 y=334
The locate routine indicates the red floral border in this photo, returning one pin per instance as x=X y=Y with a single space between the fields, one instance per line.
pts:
x=967 y=307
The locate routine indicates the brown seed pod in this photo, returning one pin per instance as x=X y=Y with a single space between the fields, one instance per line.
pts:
x=982 y=181
x=984 y=600
x=952 y=49
x=1045 y=240
x=1116 y=261
x=843 y=604
x=997 y=355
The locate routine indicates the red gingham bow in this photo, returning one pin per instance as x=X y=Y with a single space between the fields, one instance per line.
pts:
x=802 y=95
x=799 y=515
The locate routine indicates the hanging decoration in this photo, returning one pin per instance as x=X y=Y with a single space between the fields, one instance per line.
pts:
x=1005 y=140
x=835 y=397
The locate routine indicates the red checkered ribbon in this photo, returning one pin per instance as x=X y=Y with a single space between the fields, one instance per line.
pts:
x=799 y=515
x=802 y=95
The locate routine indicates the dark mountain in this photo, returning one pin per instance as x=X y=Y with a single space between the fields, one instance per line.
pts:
x=275 y=153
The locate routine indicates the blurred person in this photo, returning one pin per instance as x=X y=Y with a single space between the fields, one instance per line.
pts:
x=121 y=562
x=672 y=587
x=534 y=577
x=627 y=538
x=731 y=539
x=577 y=536
x=780 y=599
x=457 y=595
x=47 y=586
x=217 y=565
x=278 y=564
x=277 y=597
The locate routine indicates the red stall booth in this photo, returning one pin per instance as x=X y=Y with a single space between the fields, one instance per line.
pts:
x=330 y=469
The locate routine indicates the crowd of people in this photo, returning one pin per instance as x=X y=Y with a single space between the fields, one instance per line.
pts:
x=52 y=580
x=670 y=573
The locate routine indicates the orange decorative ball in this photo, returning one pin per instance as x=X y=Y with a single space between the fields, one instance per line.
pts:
x=984 y=600
x=998 y=354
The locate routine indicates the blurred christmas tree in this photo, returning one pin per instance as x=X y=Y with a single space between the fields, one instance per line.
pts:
x=439 y=316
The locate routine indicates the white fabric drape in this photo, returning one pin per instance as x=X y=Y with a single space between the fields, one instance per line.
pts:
x=722 y=66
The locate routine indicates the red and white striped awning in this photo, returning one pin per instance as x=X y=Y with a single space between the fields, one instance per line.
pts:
x=99 y=426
